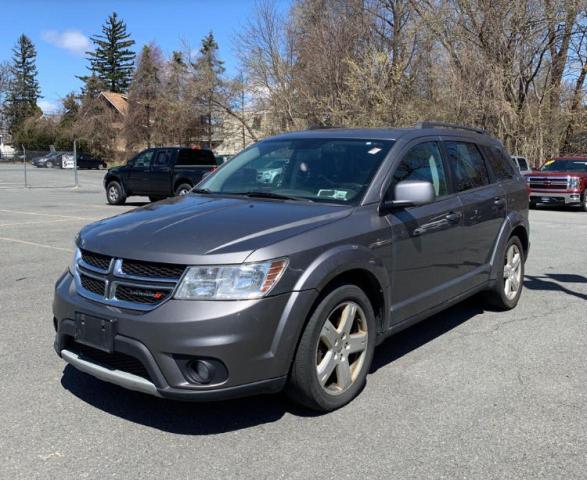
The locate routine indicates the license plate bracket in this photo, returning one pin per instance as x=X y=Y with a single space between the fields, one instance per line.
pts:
x=95 y=332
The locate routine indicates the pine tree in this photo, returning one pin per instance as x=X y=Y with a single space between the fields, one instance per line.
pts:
x=144 y=96
x=112 y=61
x=23 y=89
x=208 y=72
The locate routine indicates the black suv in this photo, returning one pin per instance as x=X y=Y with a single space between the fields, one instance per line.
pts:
x=256 y=282
x=158 y=173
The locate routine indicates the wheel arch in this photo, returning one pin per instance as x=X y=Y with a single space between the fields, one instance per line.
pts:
x=514 y=224
x=343 y=265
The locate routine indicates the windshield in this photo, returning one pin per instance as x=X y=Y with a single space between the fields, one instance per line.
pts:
x=565 y=166
x=321 y=170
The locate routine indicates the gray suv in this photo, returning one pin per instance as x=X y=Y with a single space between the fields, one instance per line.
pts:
x=246 y=286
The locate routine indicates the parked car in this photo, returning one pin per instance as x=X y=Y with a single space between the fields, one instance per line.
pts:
x=158 y=173
x=243 y=287
x=85 y=160
x=51 y=160
x=562 y=181
x=521 y=164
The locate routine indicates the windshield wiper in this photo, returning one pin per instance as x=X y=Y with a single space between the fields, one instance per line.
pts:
x=201 y=190
x=277 y=196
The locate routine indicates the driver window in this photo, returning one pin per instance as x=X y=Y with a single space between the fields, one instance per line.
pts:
x=143 y=160
x=422 y=162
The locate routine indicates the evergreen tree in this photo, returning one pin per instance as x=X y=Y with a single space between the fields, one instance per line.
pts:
x=144 y=98
x=112 y=60
x=208 y=75
x=23 y=90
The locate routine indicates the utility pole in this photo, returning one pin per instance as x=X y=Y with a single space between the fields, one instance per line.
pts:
x=75 y=164
x=24 y=165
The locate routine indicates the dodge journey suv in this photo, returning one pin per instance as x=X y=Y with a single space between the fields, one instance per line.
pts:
x=255 y=283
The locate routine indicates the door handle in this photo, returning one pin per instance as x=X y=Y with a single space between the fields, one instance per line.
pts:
x=453 y=217
x=499 y=202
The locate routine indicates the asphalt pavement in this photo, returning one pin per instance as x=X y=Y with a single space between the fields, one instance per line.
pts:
x=466 y=394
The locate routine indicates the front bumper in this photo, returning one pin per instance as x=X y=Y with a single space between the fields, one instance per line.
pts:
x=550 y=197
x=254 y=340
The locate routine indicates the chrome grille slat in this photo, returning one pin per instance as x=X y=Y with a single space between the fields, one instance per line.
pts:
x=549 y=183
x=114 y=286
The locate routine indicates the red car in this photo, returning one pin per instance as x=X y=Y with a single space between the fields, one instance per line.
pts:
x=561 y=181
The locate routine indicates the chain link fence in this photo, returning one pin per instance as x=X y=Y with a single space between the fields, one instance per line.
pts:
x=45 y=168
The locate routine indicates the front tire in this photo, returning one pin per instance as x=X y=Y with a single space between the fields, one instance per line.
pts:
x=115 y=194
x=335 y=351
x=510 y=277
x=183 y=189
x=49 y=164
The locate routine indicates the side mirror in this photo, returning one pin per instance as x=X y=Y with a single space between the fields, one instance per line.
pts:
x=410 y=193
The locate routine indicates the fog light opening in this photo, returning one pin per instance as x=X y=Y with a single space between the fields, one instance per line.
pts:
x=202 y=371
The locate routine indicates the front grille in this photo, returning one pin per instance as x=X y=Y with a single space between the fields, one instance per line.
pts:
x=114 y=360
x=549 y=183
x=93 y=284
x=152 y=270
x=135 y=294
x=96 y=260
x=126 y=283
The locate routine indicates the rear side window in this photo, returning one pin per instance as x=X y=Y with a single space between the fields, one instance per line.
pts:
x=197 y=158
x=500 y=163
x=467 y=165
x=523 y=163
x=422 y=162
x=162 y=159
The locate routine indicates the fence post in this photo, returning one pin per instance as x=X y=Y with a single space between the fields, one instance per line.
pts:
x=75 y=164
x=24 y=165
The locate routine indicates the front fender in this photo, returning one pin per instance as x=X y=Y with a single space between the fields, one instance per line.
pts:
x=325 y=268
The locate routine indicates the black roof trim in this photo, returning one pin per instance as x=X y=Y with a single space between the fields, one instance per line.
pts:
x=432 y=124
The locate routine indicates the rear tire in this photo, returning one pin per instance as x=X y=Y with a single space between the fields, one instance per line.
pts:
x=49 y=164
x=183 y=189
x=335 y=351
x=510 y=277
x=115 y=194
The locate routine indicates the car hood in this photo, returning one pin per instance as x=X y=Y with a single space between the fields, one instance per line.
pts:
x=556 y=174
x=204 y=229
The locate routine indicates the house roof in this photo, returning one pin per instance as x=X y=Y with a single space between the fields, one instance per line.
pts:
x=118 y=100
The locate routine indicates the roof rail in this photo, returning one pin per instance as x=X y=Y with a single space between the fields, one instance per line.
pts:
x=450 y=125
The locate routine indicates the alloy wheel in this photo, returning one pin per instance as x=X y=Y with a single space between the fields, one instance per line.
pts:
x=512 y=271
x=113 y=194
x=342 y=348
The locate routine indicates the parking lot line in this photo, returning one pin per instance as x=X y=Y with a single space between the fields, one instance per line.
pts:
x=18 y=224
x=22 y=212
x=34 y=244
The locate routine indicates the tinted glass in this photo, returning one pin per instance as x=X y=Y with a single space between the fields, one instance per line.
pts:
x=500 y=163
x=162 y=159
x=143 y=159
x=196 y=158
x=570 y=165
x=523 y=164
x=322 y=170
x=467 y=165
x=422 y=162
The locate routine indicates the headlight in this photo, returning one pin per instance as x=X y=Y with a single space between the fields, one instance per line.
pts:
x=574 y=183
x=230 y=282
x=76 y=256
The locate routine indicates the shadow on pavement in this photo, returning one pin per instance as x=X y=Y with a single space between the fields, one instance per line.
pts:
x=553 y=281
x=188 y=418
